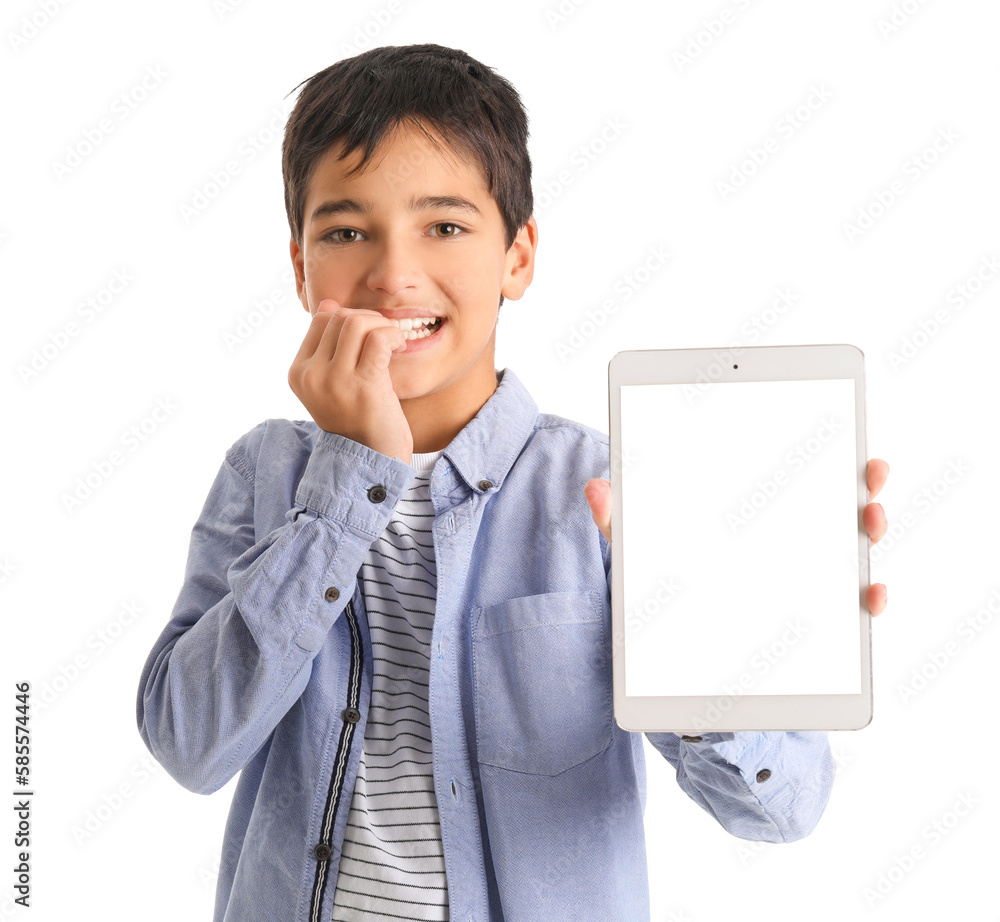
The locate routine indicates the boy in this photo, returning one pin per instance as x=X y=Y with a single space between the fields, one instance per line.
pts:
x=395 y=615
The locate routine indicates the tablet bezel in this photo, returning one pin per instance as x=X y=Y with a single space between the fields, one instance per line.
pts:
x=708 y=367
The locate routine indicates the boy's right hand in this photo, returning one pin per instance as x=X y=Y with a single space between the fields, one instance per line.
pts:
x=341 y=375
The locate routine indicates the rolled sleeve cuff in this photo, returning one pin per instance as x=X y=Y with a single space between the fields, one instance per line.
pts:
x=291 y=597
x=787 y=778
x=339 y=479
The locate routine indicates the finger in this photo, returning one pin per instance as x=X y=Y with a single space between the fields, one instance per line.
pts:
x=876 y=598
x=598 y=495
x=329 y=342
x=354 y=330
x=314 y=335
x=317 y=327
x=379 y=345
x=878 y=471
x=875 y=523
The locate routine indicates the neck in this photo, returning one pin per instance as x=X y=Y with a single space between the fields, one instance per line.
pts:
x=435 y=419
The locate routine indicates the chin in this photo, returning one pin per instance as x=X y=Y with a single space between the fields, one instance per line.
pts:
x=408 y=386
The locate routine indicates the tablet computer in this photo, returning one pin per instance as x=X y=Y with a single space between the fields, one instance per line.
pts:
x=739 y=553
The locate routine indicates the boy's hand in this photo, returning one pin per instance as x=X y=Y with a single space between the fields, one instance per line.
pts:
x=875 y=525
x=598 y=494
x=341 y=375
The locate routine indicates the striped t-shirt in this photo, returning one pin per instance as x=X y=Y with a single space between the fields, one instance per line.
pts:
x=392 y=866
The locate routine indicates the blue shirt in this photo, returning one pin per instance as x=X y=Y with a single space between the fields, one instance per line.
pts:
x=265 y=669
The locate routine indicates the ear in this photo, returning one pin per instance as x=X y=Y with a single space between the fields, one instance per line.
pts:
x=298 y=264
x=520 y=261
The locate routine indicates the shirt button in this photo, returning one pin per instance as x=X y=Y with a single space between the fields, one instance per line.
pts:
x=351 y=715
x=485 y=484
x=691 y=739
x=322 y=851
x=763 y=774
x=377 y=493
x=332 y=594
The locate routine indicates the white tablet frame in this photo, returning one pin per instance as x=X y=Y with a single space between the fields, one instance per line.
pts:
x=695 y=715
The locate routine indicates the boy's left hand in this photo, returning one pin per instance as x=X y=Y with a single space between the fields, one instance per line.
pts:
x=598 y=494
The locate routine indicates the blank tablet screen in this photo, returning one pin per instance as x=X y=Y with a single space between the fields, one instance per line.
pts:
x=740 y=527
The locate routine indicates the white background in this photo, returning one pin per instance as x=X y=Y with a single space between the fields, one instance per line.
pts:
x=673 y=130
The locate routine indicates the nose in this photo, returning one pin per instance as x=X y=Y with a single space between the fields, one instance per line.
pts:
x=395 y=266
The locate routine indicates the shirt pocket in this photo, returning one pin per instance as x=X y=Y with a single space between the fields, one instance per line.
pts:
x=542 y=681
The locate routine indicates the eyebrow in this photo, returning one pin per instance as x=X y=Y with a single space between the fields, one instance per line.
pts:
x=353 y=206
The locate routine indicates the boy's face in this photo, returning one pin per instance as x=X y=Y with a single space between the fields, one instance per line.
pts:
x=377 y=240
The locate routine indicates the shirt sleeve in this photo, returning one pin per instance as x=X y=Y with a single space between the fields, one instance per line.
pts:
x=254 y=610
x=769 y=787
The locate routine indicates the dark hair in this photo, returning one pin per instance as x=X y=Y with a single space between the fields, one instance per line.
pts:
x=359 y=99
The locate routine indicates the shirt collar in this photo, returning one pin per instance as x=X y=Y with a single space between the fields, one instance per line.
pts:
x=485 y=450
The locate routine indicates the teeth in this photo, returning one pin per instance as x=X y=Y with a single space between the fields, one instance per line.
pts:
x=411 y=326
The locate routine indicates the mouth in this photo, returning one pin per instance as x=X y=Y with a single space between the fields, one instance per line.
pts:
x=419 y=327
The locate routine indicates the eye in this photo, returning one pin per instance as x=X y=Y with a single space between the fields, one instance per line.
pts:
x=455 y=230
x=334 y=237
